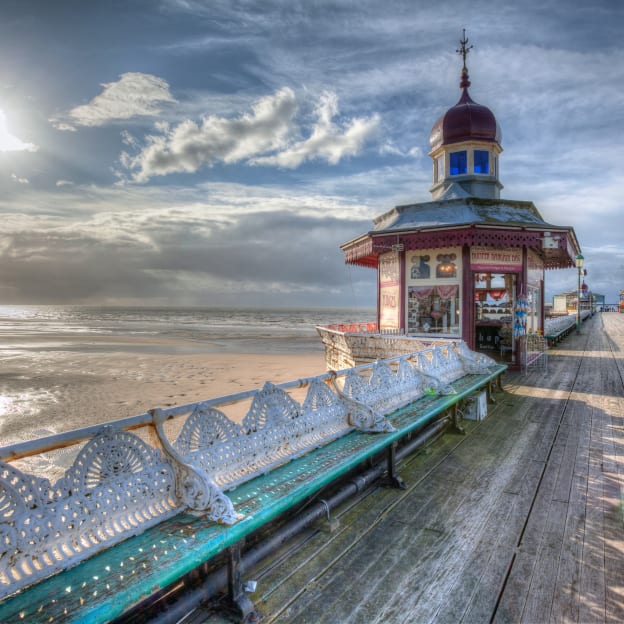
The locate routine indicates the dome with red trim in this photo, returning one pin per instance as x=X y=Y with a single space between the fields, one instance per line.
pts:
x=465 y=121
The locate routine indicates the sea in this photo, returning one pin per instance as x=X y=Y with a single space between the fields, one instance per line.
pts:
x=171 y=329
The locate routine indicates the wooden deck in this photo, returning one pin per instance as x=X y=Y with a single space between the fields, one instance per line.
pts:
x=521 y=520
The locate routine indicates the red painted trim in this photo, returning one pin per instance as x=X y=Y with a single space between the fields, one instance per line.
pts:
x=542 y=321
x=364 y=253
x=402 y=292
x=525 y=270
x=467 y=300
x=378 y=295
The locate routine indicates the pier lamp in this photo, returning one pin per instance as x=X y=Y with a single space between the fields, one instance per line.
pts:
x=579 y=265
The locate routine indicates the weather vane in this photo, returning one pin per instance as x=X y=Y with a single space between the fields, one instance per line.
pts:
x=465 y=48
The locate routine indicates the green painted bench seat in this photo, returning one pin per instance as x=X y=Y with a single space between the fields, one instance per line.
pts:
x=111 y=582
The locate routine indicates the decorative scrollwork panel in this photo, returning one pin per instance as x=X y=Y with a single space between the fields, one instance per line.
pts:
x=271 y=406
x=117 y=486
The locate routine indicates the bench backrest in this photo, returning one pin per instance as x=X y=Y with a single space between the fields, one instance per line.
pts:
x=117 y=486
x=446 y=363
x=385 y=390
x=275 y=430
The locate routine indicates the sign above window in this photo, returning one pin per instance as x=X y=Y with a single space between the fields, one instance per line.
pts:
x=496 y=259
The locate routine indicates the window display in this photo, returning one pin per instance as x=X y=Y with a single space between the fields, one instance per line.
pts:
x=433 y=309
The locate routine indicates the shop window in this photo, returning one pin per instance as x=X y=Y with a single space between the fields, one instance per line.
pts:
x=458 y=163
x=433 y=309
x=481 y=161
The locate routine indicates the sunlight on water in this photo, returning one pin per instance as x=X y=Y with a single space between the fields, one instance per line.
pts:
x=6 y=405
x=277 y=330
x=20 y=412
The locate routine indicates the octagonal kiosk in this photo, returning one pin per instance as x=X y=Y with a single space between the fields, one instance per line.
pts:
x=466 y=264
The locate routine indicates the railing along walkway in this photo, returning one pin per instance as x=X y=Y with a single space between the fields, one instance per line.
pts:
x=521 y=520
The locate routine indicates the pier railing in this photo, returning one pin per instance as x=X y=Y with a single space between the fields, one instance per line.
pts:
x=364 y=328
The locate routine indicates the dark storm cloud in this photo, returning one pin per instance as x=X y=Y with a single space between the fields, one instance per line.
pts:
x=264 y=248
x=259 y=255
x=53 y=267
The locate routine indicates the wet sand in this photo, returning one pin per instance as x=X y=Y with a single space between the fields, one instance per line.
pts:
x=49 y=385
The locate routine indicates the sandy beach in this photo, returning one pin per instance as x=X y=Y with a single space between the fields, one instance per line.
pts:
x=49 y=385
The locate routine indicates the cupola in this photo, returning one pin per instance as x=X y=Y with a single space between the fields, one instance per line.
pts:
x=465 y=144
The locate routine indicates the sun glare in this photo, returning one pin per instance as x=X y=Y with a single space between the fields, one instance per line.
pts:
x=9 y=142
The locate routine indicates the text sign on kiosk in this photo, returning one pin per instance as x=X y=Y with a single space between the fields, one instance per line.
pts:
x=389 y=291
x=496 y=259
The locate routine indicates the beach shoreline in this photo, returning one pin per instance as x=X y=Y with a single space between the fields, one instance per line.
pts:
x=50 y=383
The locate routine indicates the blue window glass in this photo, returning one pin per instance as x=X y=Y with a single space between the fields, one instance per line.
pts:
x=458 y=163
x=481 y=161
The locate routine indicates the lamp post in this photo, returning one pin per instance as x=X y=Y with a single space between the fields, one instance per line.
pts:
x=579 y=266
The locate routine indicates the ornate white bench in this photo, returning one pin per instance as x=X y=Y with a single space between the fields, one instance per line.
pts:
x=135 y=513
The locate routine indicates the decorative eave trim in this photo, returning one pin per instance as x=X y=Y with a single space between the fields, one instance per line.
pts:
x=364 y=250
x=360 y=251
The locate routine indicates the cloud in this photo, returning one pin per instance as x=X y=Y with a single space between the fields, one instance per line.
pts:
x=327 y=141
x=19 y=180
x=265 y=136
x=245 y=245
x=60 y=183
x=390 y=148
x=187 y=146
x=61 y=125
x=134 y=95
x=9 y=142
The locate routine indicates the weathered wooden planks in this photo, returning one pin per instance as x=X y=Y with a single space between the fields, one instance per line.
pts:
x=519 y=521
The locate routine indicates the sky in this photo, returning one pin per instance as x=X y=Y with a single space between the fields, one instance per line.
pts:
x=200 y=152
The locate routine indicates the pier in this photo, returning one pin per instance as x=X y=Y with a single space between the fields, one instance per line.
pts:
x=518 y=520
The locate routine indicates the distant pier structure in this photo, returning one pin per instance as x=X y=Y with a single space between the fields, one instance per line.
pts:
x=466 y=264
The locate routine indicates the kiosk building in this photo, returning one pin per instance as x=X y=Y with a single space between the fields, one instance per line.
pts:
x=467 y=264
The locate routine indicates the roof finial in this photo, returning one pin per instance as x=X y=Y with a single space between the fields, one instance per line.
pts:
x=465 y=48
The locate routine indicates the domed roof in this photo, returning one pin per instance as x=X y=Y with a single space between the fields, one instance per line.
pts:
x=465 y=121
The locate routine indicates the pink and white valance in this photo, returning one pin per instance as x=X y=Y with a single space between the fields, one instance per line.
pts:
x=447 y=292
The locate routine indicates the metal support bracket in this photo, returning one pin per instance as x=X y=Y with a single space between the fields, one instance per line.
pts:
x=499 y=383
x=327 y=524
x=456 y=418
x=489 y=392
x=240 y=604
x=490 y=388
x=393 y=479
